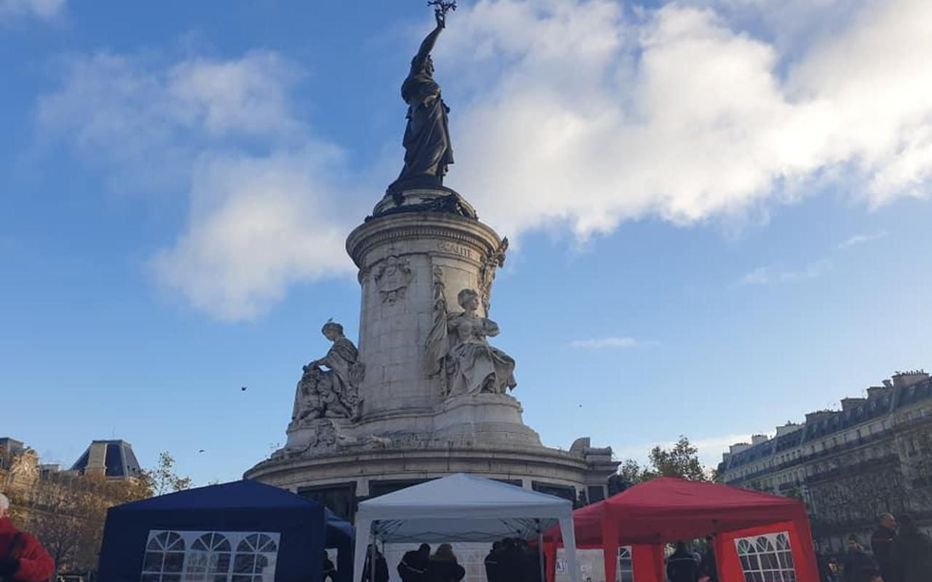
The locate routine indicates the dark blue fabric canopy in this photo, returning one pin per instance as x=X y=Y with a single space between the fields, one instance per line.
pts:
x=305 y=527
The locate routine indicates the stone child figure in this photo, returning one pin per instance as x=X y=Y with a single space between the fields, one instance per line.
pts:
x=428 y=150
x=470 y=364
x=331 y=393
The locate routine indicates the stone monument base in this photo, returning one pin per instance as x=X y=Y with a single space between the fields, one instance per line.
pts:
x=493 y=419
x=354 y=470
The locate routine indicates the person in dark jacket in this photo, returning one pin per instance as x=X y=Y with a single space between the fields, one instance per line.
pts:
x=882 y=541
x=329 y=570
x=443 y=566
x=510 y=561
x=22 y=557
x=381 y=566
x=681 y=565
x=413 y=565
x=857 y=565
x=493 y=568
x=912 y=553
x=708 y=566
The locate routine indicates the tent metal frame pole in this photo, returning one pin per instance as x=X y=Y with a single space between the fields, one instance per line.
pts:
x=540 y=551
x=372 y=551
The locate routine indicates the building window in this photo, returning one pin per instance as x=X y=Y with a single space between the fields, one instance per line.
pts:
x=766 y=558
x=199 y=556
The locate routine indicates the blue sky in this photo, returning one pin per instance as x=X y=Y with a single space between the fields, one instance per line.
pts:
x=720 y=209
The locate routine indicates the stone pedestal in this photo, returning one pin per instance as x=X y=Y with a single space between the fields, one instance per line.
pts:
x=415 y=255
x=401 y=257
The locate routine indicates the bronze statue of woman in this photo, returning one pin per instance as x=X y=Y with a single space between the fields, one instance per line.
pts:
x=428 y=150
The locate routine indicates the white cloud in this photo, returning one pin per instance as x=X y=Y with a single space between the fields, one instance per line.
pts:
x=773 y=275
x=258 y=223
x=610 y=342
x=567 y=113
x=860 y=239
x=41 y=9
x=132 y=112
x=591 y=118
x=257 y=226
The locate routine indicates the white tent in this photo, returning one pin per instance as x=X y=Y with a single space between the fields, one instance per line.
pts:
x=462 y=508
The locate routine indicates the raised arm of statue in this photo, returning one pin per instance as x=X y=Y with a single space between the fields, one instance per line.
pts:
x=427 y=45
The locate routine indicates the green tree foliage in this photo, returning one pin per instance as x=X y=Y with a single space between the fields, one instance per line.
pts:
x=681 y=460
x=67 y=512
x=163 y=478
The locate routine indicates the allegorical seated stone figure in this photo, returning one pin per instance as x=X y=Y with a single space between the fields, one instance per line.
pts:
x=331 y=393
x=471 y=365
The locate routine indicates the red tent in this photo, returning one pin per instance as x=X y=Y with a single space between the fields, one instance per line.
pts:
x=663 y=510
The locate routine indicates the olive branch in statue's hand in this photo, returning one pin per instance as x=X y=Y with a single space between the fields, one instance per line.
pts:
x=441 y=7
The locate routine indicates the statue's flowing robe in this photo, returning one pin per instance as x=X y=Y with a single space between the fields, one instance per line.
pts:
x=428 y=150
x=475 y=366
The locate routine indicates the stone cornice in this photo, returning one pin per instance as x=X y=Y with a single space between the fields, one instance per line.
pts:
x=420 y=226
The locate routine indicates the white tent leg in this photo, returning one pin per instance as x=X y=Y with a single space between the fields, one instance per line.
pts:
x=569 y=546
x=363 y=532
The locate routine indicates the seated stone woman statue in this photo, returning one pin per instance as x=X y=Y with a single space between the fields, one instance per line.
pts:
x=331 y=392
x=472 y=365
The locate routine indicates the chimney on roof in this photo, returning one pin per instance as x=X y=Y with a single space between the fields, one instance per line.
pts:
x=877 y=391
x=851 y=403
x=906 y=379
x=788 y=428
x=759 y=439
x=818 y=415
x=738 y=447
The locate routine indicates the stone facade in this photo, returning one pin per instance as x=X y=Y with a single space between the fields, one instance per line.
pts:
x=414 y=418
x=850 y=465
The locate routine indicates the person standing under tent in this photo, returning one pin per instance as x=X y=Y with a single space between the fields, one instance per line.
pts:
x=912 y=553
x=413 y=565
x=443 y=566
x=707 y=565
x=381 y=566
x=22 y=557
x=681 y=565
x=493 y=568
x=329 y=570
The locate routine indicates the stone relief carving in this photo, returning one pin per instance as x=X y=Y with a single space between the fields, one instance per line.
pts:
x=332 y=392
x=490 y=263
x=458 y=349
x=324 y=435
x=393 y=277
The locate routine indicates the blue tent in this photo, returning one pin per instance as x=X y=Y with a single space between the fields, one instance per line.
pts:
x=243 y=531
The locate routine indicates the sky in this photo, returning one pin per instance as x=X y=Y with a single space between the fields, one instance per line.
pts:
x=719 y=209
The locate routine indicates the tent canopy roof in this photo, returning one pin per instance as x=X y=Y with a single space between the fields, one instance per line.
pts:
x=462 y=508
x=238 y=496
x=668 y=509
x=243 y=494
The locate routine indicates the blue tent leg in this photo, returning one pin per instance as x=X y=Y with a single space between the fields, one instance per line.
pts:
x=345 y=562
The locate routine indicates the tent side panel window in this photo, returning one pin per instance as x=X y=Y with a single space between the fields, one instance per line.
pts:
x=766 y=558
x=210 y=556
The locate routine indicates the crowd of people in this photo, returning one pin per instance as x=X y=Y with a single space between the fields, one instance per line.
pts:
x=900 y=552
x=509 y=560
x=418 y=565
